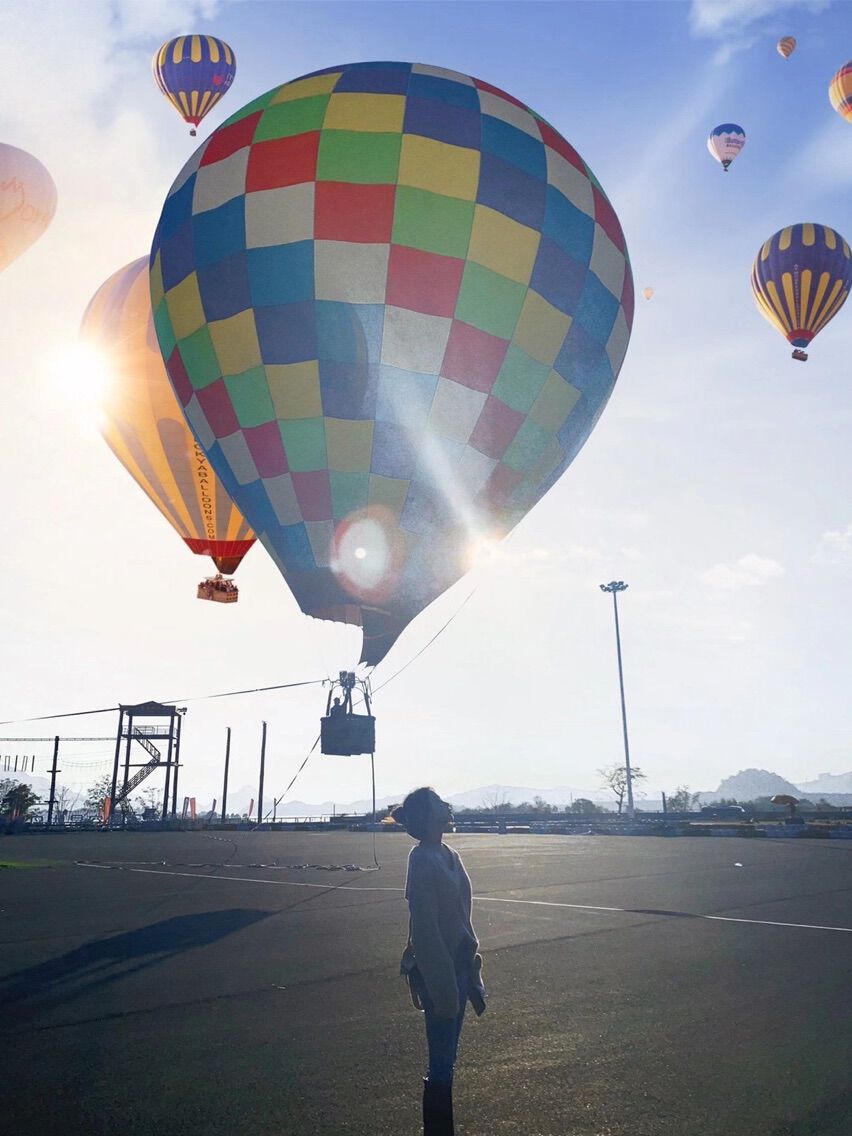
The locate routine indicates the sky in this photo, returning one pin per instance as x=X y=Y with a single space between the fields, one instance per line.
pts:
x=717 y=483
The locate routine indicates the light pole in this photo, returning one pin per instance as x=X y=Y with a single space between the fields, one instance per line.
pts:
x=616 y=586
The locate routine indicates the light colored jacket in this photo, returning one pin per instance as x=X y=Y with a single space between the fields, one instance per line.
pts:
x=438 y=891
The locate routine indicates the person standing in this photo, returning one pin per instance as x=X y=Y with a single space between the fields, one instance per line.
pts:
x=447 y=966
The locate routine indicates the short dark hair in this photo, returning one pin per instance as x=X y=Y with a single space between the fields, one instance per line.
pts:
x=414 y=810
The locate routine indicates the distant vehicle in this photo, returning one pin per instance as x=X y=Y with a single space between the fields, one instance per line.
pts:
x=724 y=812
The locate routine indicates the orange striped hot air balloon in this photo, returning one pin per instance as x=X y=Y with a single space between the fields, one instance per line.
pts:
x=800 y=280
x=786 y=46
x=840 y=91
x=143 y=424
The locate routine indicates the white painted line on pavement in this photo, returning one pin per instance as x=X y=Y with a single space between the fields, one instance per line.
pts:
x=236 y=879
x=477 y=898
x=689 y=914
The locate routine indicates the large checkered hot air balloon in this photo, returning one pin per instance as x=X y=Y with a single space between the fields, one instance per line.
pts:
x=393 y=302
x=194 y=72
x=144 y=426
x=800 y=280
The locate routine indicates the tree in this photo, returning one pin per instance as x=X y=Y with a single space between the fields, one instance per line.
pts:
x=614 y=778
x=17 y=800
x=583 y=805
x=66 y=799
x=496 y=801
x=101 y=789
x=150 y=799
x=540 y=805
x=683 y=801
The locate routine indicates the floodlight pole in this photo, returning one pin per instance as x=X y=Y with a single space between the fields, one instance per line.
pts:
x=53 y=773
x=227 y=763
x=616 y=586
x=262 y=771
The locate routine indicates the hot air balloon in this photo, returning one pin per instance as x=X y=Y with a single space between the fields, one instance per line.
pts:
x=27 y=202
x=800 y=279
x=194 y=72
x=786 y=46
x=647 y=293
x=393 y=302
x=725 y=142
x=143 y=425
x=840 y=91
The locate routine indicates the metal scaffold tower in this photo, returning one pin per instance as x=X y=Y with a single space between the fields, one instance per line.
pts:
x=134 y=726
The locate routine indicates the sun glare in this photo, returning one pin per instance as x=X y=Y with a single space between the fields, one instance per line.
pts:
x=81 y=377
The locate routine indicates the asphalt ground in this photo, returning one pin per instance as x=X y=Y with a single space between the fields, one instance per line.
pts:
x=191 y=990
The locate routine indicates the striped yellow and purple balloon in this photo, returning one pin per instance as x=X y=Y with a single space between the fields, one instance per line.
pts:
x=800 y=280
x=194 y=72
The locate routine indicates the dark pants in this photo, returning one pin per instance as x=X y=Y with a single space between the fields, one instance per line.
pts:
x=442 y=1034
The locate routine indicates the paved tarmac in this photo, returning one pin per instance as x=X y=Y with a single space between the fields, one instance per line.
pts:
x=638 y=987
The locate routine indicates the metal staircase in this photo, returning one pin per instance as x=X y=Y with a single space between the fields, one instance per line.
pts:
x=140 y=774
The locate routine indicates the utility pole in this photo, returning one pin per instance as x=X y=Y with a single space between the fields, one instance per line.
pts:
x=262 y=770
x=616 y=586
x=180 y=711
x=227 y=763
x=53 y=773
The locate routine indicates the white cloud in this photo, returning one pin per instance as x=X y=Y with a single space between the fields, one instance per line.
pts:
x=719 y=18
x=835 y=547
x=823 y=161
x=749 y=571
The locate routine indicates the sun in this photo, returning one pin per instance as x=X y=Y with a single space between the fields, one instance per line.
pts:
x=81 y=378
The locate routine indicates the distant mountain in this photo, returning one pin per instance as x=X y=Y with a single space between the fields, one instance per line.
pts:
x=828 y=783
x=40 y=785
x=751 y=783
x=239 y=800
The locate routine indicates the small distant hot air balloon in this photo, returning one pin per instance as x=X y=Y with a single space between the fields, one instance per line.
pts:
x=193 y=72
x=800 y=279
x=647 y=293
x=786 y=46
x=27 y=202
x=725 y=142
x=840 y=91
x=145 y=428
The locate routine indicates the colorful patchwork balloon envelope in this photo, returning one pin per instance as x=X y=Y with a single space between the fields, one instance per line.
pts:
x=393 y=302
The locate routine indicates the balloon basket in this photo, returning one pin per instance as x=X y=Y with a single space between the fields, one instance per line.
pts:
x=342 y=732
x=802 y=356
x=218 y=589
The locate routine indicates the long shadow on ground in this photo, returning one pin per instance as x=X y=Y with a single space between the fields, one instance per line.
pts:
x=103 y=961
